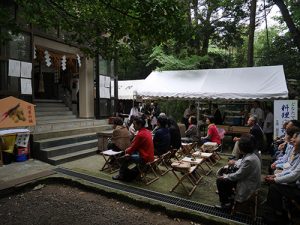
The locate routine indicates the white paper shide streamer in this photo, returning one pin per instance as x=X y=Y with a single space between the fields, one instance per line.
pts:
x=64 y=63
x=78 y=60
x=34 y=52
x=47 y=58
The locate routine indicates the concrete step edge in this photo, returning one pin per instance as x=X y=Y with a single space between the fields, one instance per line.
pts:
x=47 y=113
x=56 y=158
x=52 y=109
x=57 y=148
x=63 y=130
x=45 y=118
x=48 y=101
x=65 y=137
x=64 y=121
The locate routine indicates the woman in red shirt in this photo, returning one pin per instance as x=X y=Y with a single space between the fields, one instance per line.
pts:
x=212 y=132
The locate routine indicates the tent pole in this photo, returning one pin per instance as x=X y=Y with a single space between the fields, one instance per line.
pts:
x=198 y=117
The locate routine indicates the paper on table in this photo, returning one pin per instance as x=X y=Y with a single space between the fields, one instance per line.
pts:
x=14 y=68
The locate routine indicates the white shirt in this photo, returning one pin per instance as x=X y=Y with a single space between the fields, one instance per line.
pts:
x=134 y=112
x=269 y=120
x=258 y=113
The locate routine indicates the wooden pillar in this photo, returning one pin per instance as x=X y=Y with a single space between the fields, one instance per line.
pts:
x=86 y=89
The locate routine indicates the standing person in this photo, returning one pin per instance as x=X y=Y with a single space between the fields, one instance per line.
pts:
x=217 y=115
x=257 y=112
x=212 y=131
x=140 y=151
x=268 y=129
x=190 y=111
x=134 y=111
x=246 y=180
x=155 y=111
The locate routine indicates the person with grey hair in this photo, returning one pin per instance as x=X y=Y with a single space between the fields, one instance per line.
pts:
x=257 y=133
x=257 y=112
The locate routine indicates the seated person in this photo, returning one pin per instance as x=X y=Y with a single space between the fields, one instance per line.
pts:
x=246 y=180
x=191 y=132
x=212 y=132
x=280 y=141
x=161 y=139
x=258 y=134
x=292 y=132
x=120 y=139
x=285 y=184
x=140 y=151
x=132 y=131
x=175 y=142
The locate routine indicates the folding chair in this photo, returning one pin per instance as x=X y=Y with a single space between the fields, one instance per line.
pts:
x=250 y=203
x=111 y=160
x=173 y=155
x=198 y=162
x=148 y=171
x=189 y=173
x=165 y=161
x=186 y=149
x=207 y=156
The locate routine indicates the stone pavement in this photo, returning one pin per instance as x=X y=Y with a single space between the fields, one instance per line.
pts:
x=18 y=173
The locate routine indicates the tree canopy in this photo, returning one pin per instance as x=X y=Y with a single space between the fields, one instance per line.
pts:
x=162 y=34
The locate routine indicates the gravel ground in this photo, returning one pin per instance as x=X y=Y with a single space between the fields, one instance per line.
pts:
x=61 y=204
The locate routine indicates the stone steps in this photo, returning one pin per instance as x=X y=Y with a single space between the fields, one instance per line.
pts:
x=68 y=148
x=53 y=142
x=52 y=109
x=65 y=124
x=61 y=137
x=72 y=156
x=55 y=118
x=68 y=132
x=49 y=113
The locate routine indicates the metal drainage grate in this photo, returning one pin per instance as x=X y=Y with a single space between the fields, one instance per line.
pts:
x=180 y=202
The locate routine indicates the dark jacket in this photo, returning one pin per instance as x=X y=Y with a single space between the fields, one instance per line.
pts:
x=258 y=134
x=218 y=117
x=175 y=136
x=161 y=141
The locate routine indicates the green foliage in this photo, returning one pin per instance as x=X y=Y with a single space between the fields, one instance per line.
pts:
x=8 y=26
x=171 y=61
x=281 y=51
x=174 y=108
x=108 y=26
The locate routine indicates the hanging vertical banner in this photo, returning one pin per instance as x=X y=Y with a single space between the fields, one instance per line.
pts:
x=104 y=86
x=14 y=68
x=26 y=87
x=284 y=110
x=112 y=88
x=26 y=69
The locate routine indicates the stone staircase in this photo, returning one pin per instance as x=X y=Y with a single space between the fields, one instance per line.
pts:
x=60 y=137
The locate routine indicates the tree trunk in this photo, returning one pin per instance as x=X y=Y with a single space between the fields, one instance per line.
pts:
x=295 y=32
x=250 y=61
x=209 y=31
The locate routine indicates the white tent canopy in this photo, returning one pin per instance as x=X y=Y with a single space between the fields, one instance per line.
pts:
x=267 y=82
x=127 y=88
